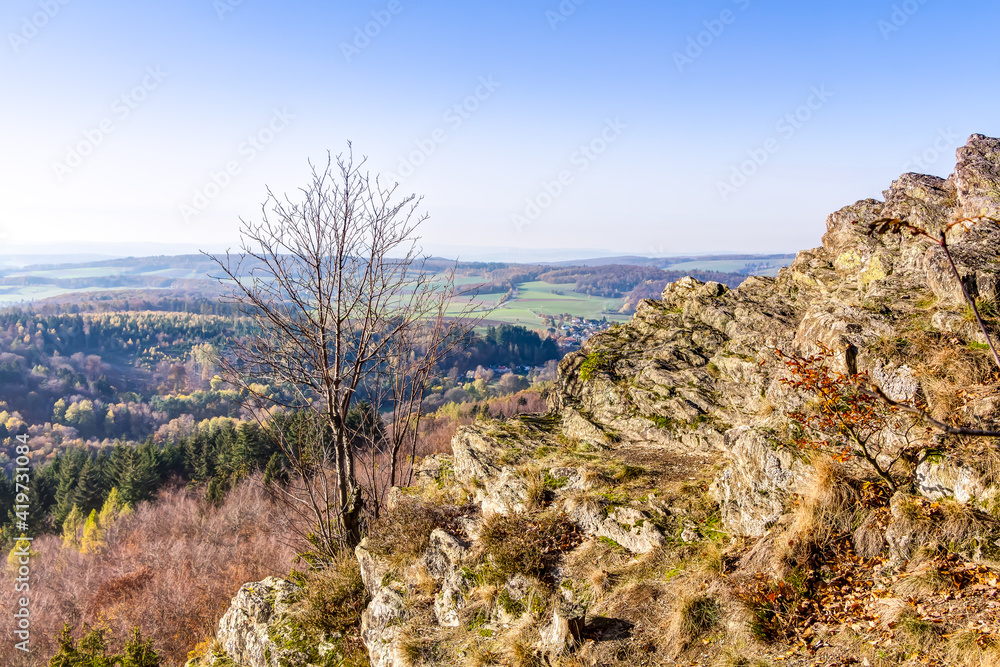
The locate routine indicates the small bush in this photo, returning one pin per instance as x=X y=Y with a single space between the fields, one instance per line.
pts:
x=335 y=596
x=404 y=531
x=517 y=545
x=92 y=651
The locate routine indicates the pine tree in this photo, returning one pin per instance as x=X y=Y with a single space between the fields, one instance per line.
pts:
x=133 y=471
x=67 y=656
x=113 y=508
x=68 y=467
x=92 y=534
x=275 y=470
x=89 y=491
x=93 y=650
x=139 y=652
x=71 y=528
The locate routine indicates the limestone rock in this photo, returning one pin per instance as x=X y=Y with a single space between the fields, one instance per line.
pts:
x=977 y=176
x=575 y=425
x=507 y=495
x=373 y=567
x=245 y=629
x=629 y=527
x=565 y=631
x=752 y=489
x=475 y=454
x=442 y=560
x=380 y=627
x=940 y=477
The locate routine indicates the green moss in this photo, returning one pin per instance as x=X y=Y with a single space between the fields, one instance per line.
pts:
x=611 y=543
x=554 y=483
x=510 y=606
x=600 y=361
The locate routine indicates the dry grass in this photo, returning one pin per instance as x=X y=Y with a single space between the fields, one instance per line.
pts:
x=335 y=596
x=945 y=524
x=478 y=655
x=522 y=653
x=968 y=648
x=828 y=507
x=869 y=537
x=535 y=493
x=694 y=615
x=918 y=634
x=926 y=579
x=403 y=532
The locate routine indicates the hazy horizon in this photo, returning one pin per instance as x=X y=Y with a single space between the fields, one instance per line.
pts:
x=632 y=128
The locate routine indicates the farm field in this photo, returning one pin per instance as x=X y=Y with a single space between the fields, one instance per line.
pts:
x=535 y=299
x=727 y=266
x=527 y=304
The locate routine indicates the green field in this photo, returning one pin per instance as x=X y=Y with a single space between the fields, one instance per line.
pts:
x=535 y=299
x=527 y=306
x=727 y=265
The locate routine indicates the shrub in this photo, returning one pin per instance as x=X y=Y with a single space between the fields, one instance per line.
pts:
x=335 y=596
x=92 y=651
x=518 y=545
x=403 y=532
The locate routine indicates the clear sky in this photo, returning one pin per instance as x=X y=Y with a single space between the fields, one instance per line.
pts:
x=643 y=127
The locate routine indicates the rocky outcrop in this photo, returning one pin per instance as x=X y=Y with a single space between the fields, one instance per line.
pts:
x=753 y=490
x=696 y=371
x=247 y=630
x=695 y=375
x=938 y=477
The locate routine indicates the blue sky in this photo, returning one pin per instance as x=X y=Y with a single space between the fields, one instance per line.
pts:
x=641 y=127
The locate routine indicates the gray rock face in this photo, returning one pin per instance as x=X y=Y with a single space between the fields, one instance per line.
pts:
x=576 y=426
x=565 y=631
x=506 y=495
x=629 y=527
x=753 y=489
x=442 y=560
x=373 y=568
x=380 y=628
x=245 y=629
x=940 y=477
x=696 y=373
x=475 y=455
x=977 y=177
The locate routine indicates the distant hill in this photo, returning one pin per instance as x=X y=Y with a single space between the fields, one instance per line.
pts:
x=528 y=294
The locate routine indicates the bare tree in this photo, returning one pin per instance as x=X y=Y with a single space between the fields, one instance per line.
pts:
x=344 y=308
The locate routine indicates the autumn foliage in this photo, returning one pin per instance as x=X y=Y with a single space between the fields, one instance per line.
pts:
x=847 y=420
x=170 y=569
